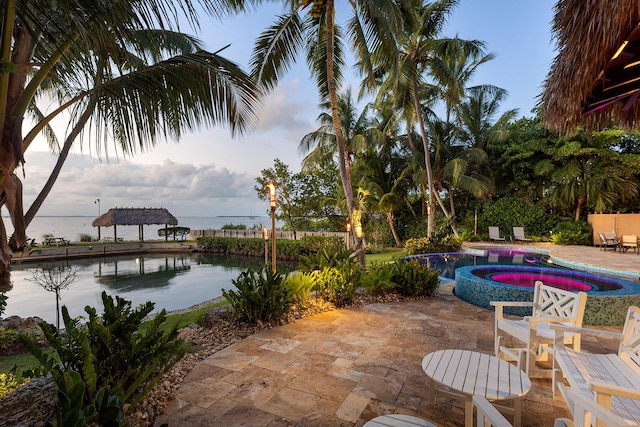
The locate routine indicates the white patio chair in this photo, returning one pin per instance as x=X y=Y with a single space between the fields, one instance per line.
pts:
x=518 y=235
x=489 y=416
x=494 y=234
x=549 y=305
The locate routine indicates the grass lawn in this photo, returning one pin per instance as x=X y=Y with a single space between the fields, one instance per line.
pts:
x=389 y=254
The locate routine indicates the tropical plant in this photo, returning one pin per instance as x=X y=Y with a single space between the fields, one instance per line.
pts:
x=260 y=296
x=105 y=363
x=300 y=284
x=109 y=351
x=412 y=278
x=339 y=284
x=277 y=47
x=377 y=278
x=111 y=72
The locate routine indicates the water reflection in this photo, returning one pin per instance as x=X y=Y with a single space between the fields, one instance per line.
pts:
x=171 y=281
x=126 y=275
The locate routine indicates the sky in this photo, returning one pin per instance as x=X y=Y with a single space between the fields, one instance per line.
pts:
x=209 y=173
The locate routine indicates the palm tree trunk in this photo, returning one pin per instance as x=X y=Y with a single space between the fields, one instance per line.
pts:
x=427 y=160
x=342 y=152
x=452 y=222
x=392 y=225
x=581 y=200
x=62 y=157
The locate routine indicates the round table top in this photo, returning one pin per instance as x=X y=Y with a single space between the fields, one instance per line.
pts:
x=398 y=420
x=470 y=372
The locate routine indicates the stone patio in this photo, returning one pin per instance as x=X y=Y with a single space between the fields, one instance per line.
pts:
x=345 y=367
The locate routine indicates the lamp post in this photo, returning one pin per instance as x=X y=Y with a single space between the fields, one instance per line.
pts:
x=272 y=201
x=348 y=235
x=98 y=202
x=265 y=236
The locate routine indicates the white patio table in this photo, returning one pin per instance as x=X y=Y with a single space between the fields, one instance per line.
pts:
x=465 y=373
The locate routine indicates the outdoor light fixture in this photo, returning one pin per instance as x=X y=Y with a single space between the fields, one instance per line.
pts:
x=272 y=201
x=265 y=236
x=348 y=235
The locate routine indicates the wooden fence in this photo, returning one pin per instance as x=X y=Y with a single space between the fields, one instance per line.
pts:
x=618 y=223
x=257 y=234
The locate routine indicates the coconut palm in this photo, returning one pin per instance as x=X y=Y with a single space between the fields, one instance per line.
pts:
x=420 y=49
x=79 y=53
x=371 y=28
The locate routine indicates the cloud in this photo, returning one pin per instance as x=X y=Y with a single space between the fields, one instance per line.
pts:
x=192 y=190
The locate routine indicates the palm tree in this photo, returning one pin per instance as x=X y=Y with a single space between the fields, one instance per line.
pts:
x=82 y=54
x=421 y=49
x=320 y=146
x=587 y=176
x=383 y=171
x=371 y=30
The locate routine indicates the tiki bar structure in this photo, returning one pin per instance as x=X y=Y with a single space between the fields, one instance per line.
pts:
x=594 y=80
x=134 y=216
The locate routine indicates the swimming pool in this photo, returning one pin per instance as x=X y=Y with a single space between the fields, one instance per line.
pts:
x=509 y=275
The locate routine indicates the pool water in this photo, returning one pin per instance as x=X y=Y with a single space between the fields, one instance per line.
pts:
x=482 y=276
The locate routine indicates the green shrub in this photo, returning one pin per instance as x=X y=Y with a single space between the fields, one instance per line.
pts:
x=8 y=383
x=423 y=245
x=326 y=258
x=259 y=296
x=108 y=352
x=83 y=237
x=374 y=248
x=378 y=233
x=412 y=278
x=315 y=244
x=509 y=212
x=339 y=284
x=233 y=227
x=572 y=233
x=378 y=278
x=7 y=337
x=300 y=285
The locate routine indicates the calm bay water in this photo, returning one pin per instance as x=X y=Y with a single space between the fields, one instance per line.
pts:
x=171 y=281
x=70 y=227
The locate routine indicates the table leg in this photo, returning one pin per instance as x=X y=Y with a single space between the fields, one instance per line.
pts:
x=432 y=391
x=517 y=412
x=468 y=411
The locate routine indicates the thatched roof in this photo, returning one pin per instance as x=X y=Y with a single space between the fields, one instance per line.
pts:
x=587 y=82
x=135 y=216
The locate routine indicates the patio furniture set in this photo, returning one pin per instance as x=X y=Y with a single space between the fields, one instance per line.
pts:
x=621 y=244
x=599 y=389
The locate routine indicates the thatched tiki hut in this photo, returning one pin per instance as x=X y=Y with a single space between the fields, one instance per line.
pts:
x=595 y=78
x=134 y=216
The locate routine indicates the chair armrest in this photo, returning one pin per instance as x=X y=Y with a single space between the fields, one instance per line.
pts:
x=511 y=303
x=487 y=411
x=559 y=327
x=541 y=319
x=583 y=407
x=615 y=390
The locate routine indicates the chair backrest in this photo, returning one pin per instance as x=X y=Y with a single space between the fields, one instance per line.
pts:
x=555 y=302
x=603 y=239
x=518 y=232
x=629 y=239
x=494 y=232
x=630 y=343
x=609 y=235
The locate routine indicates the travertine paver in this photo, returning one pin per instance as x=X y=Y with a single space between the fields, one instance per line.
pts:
x=345 y=367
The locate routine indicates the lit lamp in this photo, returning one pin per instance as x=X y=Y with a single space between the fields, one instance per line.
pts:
x=348 y=235
x=272 y=201
x=265 y=236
